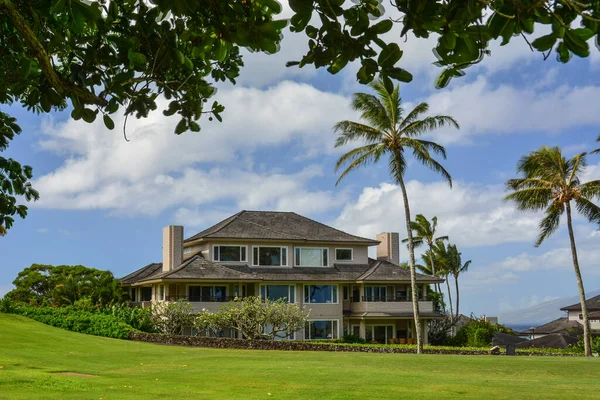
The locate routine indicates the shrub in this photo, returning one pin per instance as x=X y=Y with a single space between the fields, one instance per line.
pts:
x=352 y=338
x=477 y=333
x=170 y=318
x=71 y=319
x=137 y=317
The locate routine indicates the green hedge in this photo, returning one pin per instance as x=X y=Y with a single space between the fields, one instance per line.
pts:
x=77 y=321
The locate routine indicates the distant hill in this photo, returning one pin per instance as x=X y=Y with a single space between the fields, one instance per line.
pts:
x=540 y=313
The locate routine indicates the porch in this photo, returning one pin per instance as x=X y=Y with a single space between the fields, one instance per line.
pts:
x=386 y=330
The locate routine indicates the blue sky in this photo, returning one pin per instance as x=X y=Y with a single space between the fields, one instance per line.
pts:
x=104 y=201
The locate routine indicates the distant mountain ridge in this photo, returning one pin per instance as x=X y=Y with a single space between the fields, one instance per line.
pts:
x=541 y=313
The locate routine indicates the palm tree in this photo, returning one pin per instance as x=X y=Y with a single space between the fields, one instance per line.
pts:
x=597 y=151
x=550 y=182
x=439 y=253
x=388 y=132
x=424 y=232
x=456 y=267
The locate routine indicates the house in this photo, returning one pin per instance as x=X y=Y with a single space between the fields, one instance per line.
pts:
x=593 y=309
x=562 y=326
x=285 y=255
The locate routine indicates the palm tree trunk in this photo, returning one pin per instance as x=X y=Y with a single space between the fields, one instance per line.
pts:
x=436 y=286
x=457 y=295
x=411 y=260
x=584 y=313
x=449 y=298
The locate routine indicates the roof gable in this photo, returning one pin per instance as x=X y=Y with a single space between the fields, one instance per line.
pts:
x=592 y=304
x=274 y=225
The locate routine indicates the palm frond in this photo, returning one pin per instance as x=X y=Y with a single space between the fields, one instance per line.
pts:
x=390 y=101
x=588 y=209
x=442 y=238
x=359 y=157
x=576 y=165
x=550 y=223
x=397 y=166
x=531 y=198
x=371 y=109
x=422 y=155
x=418 y=128
x=414 y=114
x=349 y=131
x=597 y=151
x=590 y=189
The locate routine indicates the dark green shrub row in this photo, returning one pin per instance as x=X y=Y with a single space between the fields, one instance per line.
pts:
x=73 y=320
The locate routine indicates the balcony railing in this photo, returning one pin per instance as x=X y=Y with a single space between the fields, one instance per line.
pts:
x=199 y=299
x=387 y=299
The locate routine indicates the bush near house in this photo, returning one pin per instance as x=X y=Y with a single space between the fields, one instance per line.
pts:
x=477 y=333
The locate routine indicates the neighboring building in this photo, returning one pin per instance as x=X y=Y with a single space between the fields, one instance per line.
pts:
x=284 y=255
x=593 y=309
x=559 y=326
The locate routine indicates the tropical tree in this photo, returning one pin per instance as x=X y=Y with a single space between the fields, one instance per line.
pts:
x=597 y=151
x=388 y=132
x=551 y=182
x=456 y=267
x=424 y=233
x=439 y=253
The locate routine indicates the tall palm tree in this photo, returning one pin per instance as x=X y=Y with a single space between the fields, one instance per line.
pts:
x=439 y=253
x=388 y=132
x=424 y=232
x=456 y=267
x=551 y=182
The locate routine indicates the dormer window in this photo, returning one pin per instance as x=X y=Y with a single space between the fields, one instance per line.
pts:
x=312 y=256
x=229 y=253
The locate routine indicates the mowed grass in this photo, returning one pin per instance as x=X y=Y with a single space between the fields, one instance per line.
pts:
x=32 y=355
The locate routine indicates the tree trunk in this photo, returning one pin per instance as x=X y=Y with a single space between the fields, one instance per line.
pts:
x=435 y=286
x=584 y=313
x=449 y=298
x=413 y=277
x=457 y=296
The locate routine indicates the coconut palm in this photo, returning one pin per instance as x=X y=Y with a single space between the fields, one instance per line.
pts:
x=388 y=132
x=552 y=183
x=597 y=151
x=456 y=267
x=439 y=253
x=424 y=233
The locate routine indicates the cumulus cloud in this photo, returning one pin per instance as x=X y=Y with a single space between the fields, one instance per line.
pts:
x=472 y=215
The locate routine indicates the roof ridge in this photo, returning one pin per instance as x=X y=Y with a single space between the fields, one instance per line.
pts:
x=369 y=271
x=138 y=272
x=230 y=218
x=182 y=266
x=331 y=227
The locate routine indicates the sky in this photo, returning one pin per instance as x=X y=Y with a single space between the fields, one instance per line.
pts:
x=104 y=200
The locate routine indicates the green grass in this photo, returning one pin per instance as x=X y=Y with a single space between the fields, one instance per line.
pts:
x=31 y=353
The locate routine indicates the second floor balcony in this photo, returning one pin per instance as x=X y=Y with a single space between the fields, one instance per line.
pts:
x=387 y=304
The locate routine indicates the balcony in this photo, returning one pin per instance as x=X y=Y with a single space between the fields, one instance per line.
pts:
x=389 y=304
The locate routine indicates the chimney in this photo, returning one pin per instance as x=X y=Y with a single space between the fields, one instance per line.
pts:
x=389 y=248
x=172 y=247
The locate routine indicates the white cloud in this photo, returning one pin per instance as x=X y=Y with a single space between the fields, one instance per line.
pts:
x=472 y=215
x=42 y=230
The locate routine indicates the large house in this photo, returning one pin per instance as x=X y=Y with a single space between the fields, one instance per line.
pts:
x=593 y=309
x=285 y=255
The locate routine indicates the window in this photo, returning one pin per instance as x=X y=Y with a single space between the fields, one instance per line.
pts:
x=146 y=294
x=161 y=292
x=321 y=329
x=379 y=333
x=269 y=256
x=323 y=294
x=132 y=293
x=379 y=293
x=311 y=257
x=346 y=293
x=343 y=254
x=276 y=292
x=238 y=293
x=229 y=253
x=207 y=293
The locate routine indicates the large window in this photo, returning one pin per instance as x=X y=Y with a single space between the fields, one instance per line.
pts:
x=207 y=293
x=321 y=329
x=269 y=256
x=229 y=253
x=132 y=294
x=322 y=294
x=379 y=293
x=146 y=294
x=343 y=254
x=311 y=257
x=276 y=292
x=161 y=292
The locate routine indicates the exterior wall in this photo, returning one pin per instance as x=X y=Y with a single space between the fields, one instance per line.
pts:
x=360 y=254
x=192 y=250
x=574 y=316
x=390 y=306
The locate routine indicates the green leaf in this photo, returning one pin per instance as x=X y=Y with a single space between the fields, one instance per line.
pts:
x=448 y=40
x=544 y=43
x=76 y=113
x=382 y=27
x=390 y=55
x=507 y=32
x=387 y=82
x=138 y=59
x=338 y=65
x=181 y=127
x=273 y=5
x=563 y=53
x=88 y=115
x=584 y=33
x=108 y=122
x=179 y=56
x=576 y=44
x=400 y=74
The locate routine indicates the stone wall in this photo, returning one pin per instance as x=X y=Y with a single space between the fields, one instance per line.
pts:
x=226 y=343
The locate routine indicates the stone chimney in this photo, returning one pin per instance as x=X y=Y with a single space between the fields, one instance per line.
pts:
x=172 y=247
x=389 y=248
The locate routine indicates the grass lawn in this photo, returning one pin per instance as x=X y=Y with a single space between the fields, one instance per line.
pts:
x=32 y=355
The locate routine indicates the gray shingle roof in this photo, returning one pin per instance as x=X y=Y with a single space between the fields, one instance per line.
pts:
x=199 y=268
x=502 y=339
x=273 y=225
x=554 y=340
x=559 y=325
x=592 y=304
